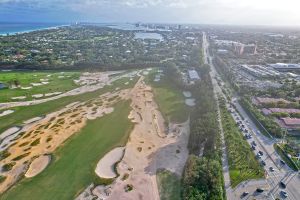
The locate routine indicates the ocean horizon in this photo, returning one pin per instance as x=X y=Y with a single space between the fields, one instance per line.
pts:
x=8 y=28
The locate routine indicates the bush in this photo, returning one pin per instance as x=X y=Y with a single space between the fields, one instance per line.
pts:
x=2 y=178
x=202 y=179
x=4 y=154
x=21 y=156
x=35 y=142
x=8 y=166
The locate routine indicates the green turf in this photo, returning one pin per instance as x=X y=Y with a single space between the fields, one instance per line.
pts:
x=74 y=162
x=168 y=185
x=170 y=99
x=56 y=84
x=27 y=112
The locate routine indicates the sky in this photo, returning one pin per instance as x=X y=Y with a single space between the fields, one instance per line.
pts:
x=231 y=12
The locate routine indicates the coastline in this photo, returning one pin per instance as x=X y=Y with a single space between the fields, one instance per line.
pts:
x=31 y=30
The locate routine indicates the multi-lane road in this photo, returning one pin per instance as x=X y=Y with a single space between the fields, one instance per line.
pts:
x=280 y=172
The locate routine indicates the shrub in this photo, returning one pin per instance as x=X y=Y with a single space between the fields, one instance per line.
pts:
x=21 y=156
x=35 y=142
x=8 y=166
x=4 y=154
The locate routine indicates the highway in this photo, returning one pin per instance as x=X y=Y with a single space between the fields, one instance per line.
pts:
x=272 y=178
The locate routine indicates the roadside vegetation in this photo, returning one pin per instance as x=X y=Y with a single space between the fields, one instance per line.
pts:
x=203 y=177
x=26 y=112
x=169 y=185
x=242 y=162
x=265 y=123
x=15 y=81
x=289 y=155
x=73 y=165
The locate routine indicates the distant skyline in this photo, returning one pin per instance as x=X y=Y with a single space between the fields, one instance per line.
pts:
x=231 y=12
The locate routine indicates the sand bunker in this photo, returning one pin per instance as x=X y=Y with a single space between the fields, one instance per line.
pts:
x=32 y=120
x=36 y=84
x=26 y=88
x=6 y=112
x=105 y=167
x=52 y=94
x=37 y=95
x=9 y=132
x=18 y=98
x=38 y=165
x=190 y=102
x=187 y=94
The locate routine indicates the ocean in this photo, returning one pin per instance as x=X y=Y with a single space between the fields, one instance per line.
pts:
x=13 y=28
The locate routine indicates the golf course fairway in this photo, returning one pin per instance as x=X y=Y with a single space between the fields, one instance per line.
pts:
x=73 y=164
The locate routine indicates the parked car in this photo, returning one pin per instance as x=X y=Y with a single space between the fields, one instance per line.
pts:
x=282 y=162
x=284 y=194
x=253 y=147
x=263 y=163
x=271 y=169
x=245 y=194
x=260 y=190
x=282 y=184
x=261 y=153
x=258 y=155
x=253 y=143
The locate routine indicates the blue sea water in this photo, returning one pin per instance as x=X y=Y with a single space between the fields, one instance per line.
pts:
x=13 y=28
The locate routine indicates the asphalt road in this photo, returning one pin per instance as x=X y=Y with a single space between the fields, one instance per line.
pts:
x=270 y=157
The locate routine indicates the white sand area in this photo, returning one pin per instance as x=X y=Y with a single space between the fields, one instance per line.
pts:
x=105 y=167
x=6 y=112
x=38 y=165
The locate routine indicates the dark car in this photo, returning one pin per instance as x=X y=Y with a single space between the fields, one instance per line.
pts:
x=282 y=162
x=282 y=184
x=260 y=190
x=261 y=153
x=263 y=163
x=284 y=194
x=253 y=147
x=245 y=194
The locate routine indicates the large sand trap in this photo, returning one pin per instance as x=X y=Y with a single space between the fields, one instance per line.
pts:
x=105 y=167
x=38 y=165
x=6 y=112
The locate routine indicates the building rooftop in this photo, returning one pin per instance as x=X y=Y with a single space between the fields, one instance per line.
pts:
x=193 y=74
x=291 y=121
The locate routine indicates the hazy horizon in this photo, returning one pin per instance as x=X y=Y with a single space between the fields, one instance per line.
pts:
x=219 y=12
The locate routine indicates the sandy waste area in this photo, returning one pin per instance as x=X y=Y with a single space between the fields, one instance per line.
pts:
x=151 y=146
x=40 y=136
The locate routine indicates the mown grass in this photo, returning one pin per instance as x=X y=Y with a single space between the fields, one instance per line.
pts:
x=26 y=77
x=27 y=112
x=242 y=162
x=169 y=185
x=74 y=163
x=169 y=98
